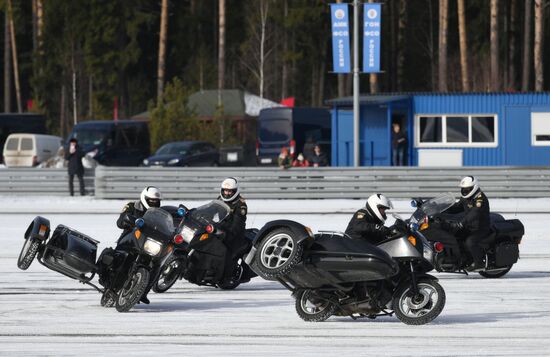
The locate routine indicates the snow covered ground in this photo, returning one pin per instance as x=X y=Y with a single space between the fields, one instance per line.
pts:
x=44 y=313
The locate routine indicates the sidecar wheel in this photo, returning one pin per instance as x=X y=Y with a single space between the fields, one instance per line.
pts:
x=278 y=253
x=28 y=252
x=108 y=299
x=421 y=308
x=496 y=274
x=168 y=276
x=235 y=280
x=311 y=309
x=132 y=291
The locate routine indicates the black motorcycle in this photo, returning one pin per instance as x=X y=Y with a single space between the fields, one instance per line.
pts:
x=199 y=257
x=501 y=246
x=330 y=273
x=124 y=272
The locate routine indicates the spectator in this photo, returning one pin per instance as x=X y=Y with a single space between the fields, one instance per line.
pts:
x=300 y=161
x=319 y=158
x=74 y=155
x=399 y=145
x=284 y=159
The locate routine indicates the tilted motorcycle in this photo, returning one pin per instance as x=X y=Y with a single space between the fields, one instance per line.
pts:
x=124 y=272
x=330 y=273
x=501 y=246
x=199 y=255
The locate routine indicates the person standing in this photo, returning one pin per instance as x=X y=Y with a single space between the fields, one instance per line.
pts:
x=399 y=145
x=74 y=155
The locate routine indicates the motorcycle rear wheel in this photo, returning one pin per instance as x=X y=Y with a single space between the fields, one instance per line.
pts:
x=313 y=311
x=28 y=252
x=168 y=276
x=132 y=291
x=497 y=274
x=278 y=253
x=421 y=308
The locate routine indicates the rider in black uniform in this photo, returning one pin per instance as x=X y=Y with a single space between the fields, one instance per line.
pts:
x=368 y=222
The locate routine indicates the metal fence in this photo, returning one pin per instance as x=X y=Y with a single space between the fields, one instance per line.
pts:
x=204 y=183
x=35 y=181
x=396 y=182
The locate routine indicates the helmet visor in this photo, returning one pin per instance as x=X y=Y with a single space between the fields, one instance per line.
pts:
x=153 y=202
x=465 y=191
x=227 y=193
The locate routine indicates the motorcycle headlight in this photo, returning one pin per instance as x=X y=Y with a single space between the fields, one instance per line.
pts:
x=188 y=233
x=152 y=247
x=145 y=162
x=173 y=161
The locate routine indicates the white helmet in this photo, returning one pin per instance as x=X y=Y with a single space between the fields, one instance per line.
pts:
x=230 y=184
x=150 y=197
x=377 y=205
x=468 y=186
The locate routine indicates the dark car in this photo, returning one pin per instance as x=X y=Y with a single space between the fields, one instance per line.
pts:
x=184 y=153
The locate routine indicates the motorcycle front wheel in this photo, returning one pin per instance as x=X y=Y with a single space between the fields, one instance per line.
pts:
x=132 y=291
x=28 y=252
x=168 y=276
x=313 y=309
x=420 y=308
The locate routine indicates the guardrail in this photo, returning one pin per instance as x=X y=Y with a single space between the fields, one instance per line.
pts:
x=37 y=181
x=298 y=183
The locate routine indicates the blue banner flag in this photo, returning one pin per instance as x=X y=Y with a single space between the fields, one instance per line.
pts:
x=340 y=38
x=372 y=28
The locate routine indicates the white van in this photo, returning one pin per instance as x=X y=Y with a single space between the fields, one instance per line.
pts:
x=27 y=150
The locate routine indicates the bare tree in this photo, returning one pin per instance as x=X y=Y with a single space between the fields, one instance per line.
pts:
x=526 y=73
x=14 y=57
x=221 y=50
x=495 y=80
x=162 y=48
x=538 y=50
x=512 y=39
x=7 y=65
x=463 y=47
x=401 y=32
x=284 y=75
x=442 y=56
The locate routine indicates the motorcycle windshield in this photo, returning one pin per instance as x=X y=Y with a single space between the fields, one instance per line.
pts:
x=211 y=213
x=159 y=220
x=438 y=204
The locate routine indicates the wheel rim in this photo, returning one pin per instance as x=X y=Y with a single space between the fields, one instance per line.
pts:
x=421 y=303
x=277 y=250
x=168 y=274
x=126 y=292
x=311 y=308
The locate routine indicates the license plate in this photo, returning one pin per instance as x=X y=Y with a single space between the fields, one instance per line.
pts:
x=266 y=160
x=232 y=156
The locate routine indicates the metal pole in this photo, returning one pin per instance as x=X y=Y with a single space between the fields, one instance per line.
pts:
x=356 y=83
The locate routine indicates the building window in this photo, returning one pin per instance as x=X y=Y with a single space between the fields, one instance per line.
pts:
x=456 y=130
x=540 y=129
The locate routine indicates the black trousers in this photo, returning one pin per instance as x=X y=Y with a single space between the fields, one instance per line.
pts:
x=80 y=181
x=472 y=243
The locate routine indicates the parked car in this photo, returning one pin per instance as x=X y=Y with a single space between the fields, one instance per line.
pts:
x=27 y=150
x=120 y=143
x=11 y=123
x=184 y=153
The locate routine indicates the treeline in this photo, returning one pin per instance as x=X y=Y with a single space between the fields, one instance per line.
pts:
x=75 y=59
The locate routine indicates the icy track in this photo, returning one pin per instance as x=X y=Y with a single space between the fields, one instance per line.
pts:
x=44 y=313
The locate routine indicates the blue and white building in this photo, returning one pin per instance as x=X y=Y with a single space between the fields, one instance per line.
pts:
x=455 y=129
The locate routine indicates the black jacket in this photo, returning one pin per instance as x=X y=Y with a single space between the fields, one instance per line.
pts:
x=128 y=216
x=476 y=213
x=75 y=161
x=320 y=160
x=234 y=226
x=364 y=225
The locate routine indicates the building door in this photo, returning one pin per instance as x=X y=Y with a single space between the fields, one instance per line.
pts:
x=516 y=139
x=375 y=136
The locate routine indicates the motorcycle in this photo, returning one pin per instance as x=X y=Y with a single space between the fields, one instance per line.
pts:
x=501 y=246
x=330 y=273
x=124 y=272
x=199 y=256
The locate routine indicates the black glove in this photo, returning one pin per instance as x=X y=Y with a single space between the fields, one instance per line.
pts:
x=388 y=232
x=455 y=226
x=129 y=220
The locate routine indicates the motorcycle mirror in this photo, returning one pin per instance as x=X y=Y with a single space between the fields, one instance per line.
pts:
x=414 y=204
x=140 y=222
x=182 y=210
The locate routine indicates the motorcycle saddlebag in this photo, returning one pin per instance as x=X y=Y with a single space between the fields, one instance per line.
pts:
x=511 y=228
x=506 y=254
x=71 y=250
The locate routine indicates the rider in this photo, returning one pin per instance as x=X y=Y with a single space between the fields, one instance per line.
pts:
x=476 y=223
x=150 y=197
x=234 y=225
x=368 y=222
